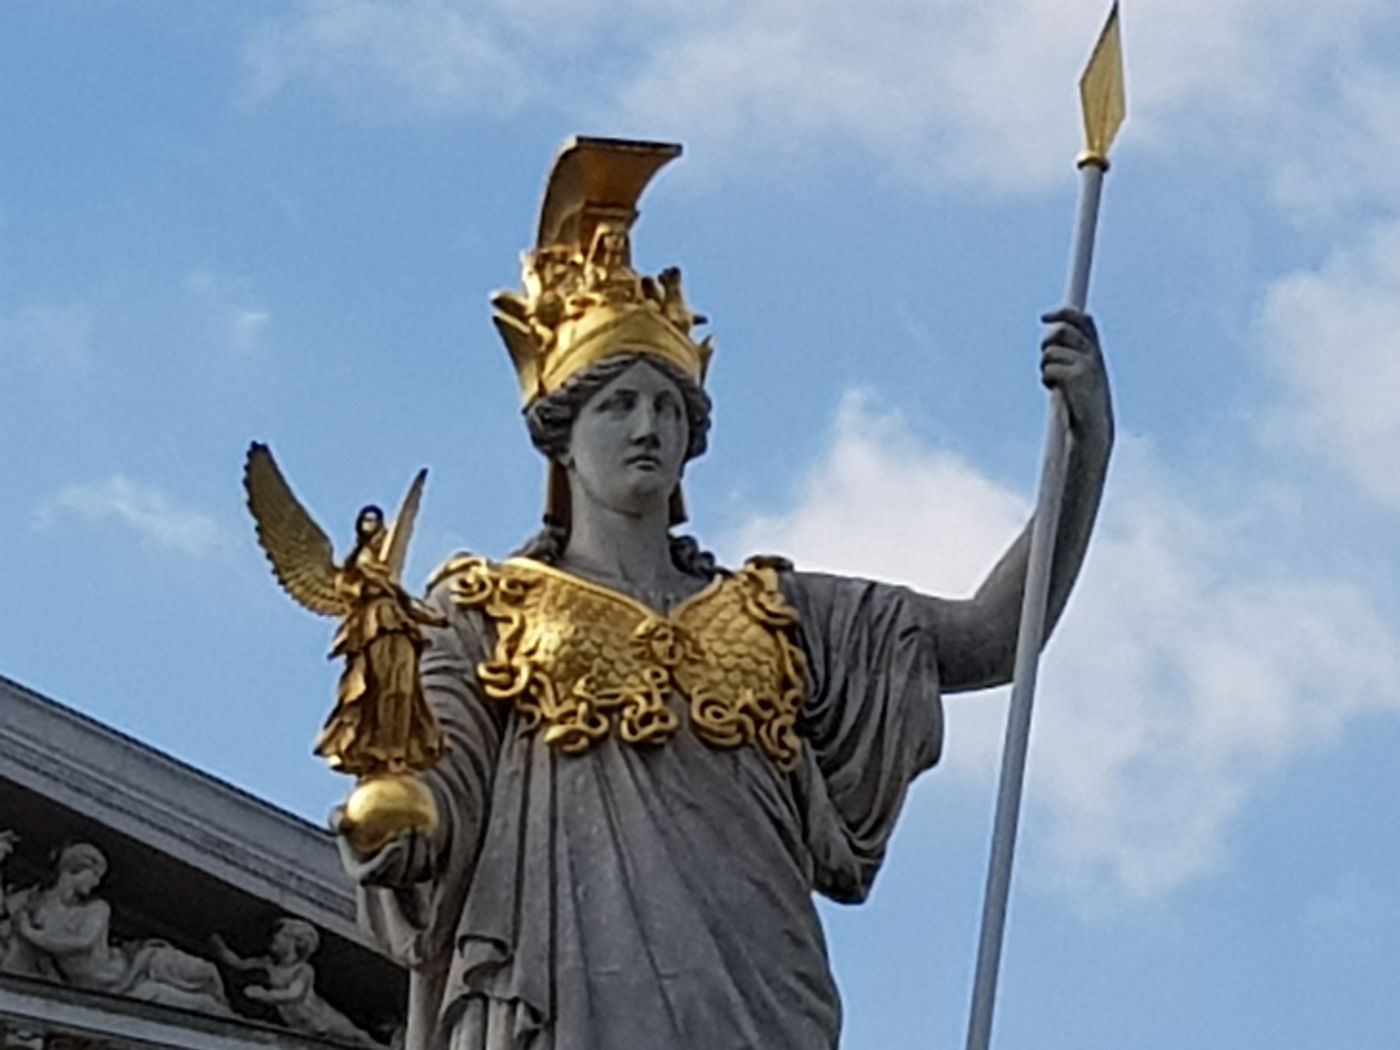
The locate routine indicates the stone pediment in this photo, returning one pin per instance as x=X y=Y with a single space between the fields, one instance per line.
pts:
x=147 y=903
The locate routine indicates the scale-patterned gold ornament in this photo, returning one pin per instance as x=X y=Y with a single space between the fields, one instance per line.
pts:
x=581 y=662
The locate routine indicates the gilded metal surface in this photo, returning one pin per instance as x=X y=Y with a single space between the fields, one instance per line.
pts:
x=582 y=300
x=384 y=806
x=580 y=661
x=381 y=723
x=1102 y=94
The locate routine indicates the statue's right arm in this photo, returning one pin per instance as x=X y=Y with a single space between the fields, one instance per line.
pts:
x=976 y=637
x=233 y=960
x=461 y=779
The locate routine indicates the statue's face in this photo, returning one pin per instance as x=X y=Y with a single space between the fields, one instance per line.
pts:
x=85 y=880
x=283 y=945
x=627 y=447
x=370 y=522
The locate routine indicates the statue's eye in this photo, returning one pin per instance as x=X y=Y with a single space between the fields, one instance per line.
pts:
x=619 y=401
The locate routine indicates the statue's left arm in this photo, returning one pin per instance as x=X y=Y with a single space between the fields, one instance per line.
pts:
x=408 y=888
x=976 y=637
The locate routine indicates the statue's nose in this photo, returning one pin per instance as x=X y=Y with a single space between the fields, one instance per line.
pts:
x=644 y=426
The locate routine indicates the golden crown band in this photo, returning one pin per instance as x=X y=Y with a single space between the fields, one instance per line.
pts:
x=582 y=301
x=546 y=360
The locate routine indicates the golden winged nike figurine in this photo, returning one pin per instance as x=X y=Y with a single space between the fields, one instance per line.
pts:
x=382 y=730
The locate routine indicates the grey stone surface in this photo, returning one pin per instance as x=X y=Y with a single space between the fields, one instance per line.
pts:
x=159 y=858
x=62 y=930
x=176 y=809
x=42 y=1012
x=661 y=897
x=285 y=979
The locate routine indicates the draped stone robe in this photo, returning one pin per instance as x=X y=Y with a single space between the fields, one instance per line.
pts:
x=655 y=897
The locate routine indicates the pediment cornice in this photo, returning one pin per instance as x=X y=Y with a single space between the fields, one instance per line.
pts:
x=174 y=808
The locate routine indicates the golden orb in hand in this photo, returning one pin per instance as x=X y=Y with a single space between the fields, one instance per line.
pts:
x=385 y=806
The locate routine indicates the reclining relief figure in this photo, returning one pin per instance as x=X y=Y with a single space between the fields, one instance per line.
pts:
x=62 y=932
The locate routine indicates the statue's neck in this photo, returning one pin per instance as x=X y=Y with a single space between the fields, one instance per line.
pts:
x=628 y=548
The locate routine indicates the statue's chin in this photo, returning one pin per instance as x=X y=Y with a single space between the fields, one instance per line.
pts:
x=634 y=491
x=385 y=806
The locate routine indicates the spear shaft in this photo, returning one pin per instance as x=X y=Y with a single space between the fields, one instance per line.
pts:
x=1102 y=90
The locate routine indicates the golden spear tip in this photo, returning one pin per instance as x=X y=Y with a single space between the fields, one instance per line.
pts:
x=1102 y=94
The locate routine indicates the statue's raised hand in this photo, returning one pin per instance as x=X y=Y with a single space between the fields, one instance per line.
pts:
x=1071 y=361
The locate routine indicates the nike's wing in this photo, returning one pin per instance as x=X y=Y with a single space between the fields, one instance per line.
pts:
x=301 y=554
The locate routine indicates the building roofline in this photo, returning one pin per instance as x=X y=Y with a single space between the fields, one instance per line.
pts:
x=157 y=799
x=154 y=754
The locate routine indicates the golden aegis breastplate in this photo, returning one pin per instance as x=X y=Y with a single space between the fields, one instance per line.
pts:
x=580 y=661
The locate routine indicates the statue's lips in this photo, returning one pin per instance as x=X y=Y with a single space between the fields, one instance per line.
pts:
x=644 y=461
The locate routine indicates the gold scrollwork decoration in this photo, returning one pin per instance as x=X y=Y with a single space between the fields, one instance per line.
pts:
x=581 y=661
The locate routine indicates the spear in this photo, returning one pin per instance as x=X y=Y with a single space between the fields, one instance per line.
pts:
x=1102 y=98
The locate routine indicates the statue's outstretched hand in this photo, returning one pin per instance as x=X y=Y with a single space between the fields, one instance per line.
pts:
x=1071 y=362
x=403 y=861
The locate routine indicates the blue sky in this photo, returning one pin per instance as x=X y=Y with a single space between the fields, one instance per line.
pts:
x=282 y=222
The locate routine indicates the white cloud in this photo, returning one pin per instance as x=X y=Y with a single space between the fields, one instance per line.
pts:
x=1187 y=675
x=933 y=89
x=231 y=308
x=881 y=496
x=52 y=338
x=246 y=327
x=434 y=54
x=1334 y=336
x=145 y=509
x=1188 y=678
x=1352 y=150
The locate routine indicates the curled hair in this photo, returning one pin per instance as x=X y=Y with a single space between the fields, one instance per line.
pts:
x=303 y=935
x=551 y=422
x=687 y=555
x=82 y=856
x=551 y=418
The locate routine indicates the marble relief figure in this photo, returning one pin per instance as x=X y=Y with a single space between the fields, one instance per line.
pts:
x=285 y=980
x=62 y=932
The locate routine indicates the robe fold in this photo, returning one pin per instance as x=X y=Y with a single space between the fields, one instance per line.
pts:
x=654 y=897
